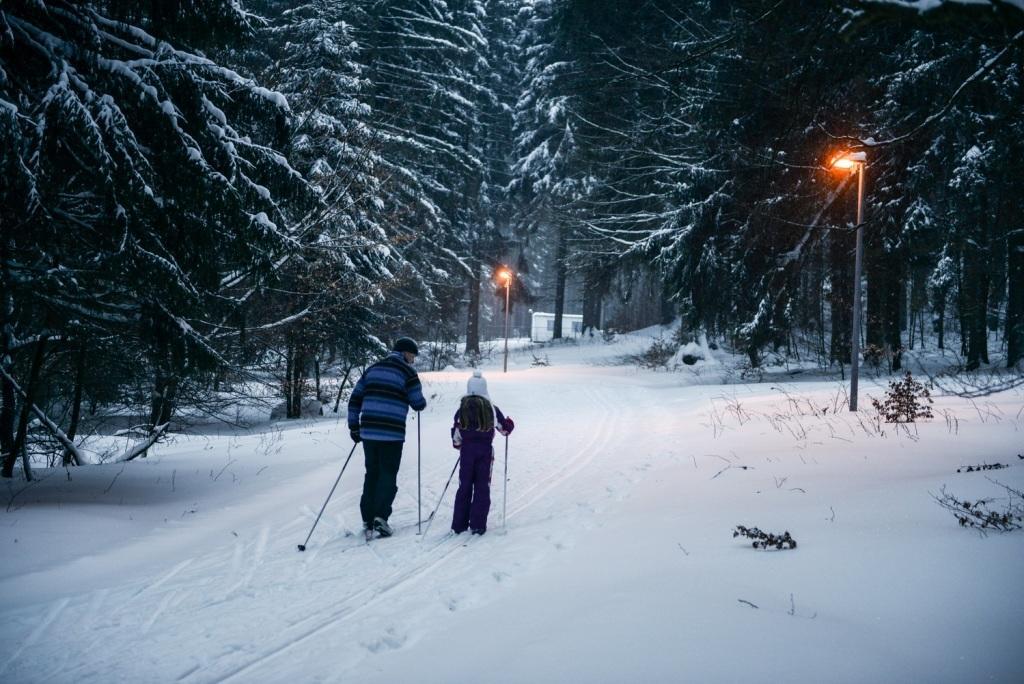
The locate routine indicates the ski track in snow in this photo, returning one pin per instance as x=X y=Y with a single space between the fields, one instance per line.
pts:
x=166 y=578
x=429 y=561
x=39 y=631
x=197 y=586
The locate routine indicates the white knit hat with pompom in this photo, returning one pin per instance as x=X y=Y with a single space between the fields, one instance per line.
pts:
x=477 y=385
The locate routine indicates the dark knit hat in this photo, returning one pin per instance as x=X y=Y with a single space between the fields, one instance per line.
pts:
x=405 y=344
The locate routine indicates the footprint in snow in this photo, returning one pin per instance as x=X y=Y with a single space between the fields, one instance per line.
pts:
x=390 y=640
x=557 y=544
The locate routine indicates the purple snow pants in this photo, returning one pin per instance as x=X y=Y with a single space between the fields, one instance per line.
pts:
x=473 y=500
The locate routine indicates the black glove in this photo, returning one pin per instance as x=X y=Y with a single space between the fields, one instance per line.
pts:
x=354 y=434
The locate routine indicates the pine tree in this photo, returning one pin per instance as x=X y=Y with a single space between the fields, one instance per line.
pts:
x=143 y=177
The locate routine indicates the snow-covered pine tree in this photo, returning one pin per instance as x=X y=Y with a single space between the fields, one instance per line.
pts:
x=140 y=178
x=548 y=178
x=432 y=92
x=949 y=137
x=487 y=236
x=423 y=60
x=348 y=262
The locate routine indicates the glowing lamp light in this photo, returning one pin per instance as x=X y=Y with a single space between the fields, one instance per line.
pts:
x=505 y=274
x=848 y=161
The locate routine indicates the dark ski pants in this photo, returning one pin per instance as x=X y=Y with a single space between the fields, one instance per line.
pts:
x=379 y=485
x=473 y=500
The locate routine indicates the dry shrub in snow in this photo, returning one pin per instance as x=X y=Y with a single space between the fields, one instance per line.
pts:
x=980 y=467
x=980 y=515
x=765 y=540
x=658 y=354
x=906 y=400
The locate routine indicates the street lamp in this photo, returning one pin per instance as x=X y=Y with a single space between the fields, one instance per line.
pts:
x=506 y=275
x=854 y=162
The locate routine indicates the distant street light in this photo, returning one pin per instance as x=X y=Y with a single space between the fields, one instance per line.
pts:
x=855 y=162
x=506 y=275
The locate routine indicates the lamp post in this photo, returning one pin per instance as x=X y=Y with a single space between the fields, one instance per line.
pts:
x=854 y=162
x=506 y=275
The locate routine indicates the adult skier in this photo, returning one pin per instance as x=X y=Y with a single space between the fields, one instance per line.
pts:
x=377 y=412
x=473 y=435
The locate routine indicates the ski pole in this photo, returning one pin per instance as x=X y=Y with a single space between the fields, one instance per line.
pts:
x=443 y=492
x=504 y=497
x=302 y=546
x=419 y=487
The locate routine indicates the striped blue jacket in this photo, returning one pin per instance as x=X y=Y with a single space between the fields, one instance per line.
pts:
x=382 y=397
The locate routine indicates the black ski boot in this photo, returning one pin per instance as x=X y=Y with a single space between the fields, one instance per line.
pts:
x=380 y=525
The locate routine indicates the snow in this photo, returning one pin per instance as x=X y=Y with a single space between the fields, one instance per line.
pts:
x=271 y=96
x=617 y=562
x=262 y=191
x=924 y=6
x=261 y=219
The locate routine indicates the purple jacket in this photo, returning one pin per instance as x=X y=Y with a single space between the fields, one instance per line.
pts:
x=472 y=436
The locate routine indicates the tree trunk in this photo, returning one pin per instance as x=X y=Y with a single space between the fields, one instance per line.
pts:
x=341 y=387
x=298 y=382
x=841 y=295
x=974 y=299
x=1015 y=298
x=316 y=375
x=76 y=405
x=875 y=293
x=940 y=324
x=7 y=396
x=165 y=382
x=7 y=420
x=165 y=391
x=286 y=386
x=560 y=277
x=295 y=364
x=885 y=298
x=593 y=292
x=893 y=315
x=473 y=313
x=26 y=409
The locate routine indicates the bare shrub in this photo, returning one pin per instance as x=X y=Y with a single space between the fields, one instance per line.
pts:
x=981 y=515
x=765 y=540
x=906 y=400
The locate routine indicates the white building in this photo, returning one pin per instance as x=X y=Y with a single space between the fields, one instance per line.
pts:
x=542 y=327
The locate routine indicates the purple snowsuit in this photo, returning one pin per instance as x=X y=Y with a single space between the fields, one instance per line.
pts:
x=476 y=458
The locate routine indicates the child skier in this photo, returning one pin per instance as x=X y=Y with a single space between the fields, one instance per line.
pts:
x=472 y=434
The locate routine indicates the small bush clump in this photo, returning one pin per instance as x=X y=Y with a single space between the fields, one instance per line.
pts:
x=873 y=355
x=658 y=354
x=980 y=467
x=906 y=400
x=765 y=540
x=980 y=514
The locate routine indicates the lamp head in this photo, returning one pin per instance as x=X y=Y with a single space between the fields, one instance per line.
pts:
x=848 y=161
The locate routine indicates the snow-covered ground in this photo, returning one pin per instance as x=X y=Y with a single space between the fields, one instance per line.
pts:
x=617 y=563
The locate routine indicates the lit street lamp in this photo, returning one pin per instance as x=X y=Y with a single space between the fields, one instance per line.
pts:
x=854 y=162
x=506 y=275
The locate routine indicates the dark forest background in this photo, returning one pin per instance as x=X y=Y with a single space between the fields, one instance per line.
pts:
x=197 y=196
